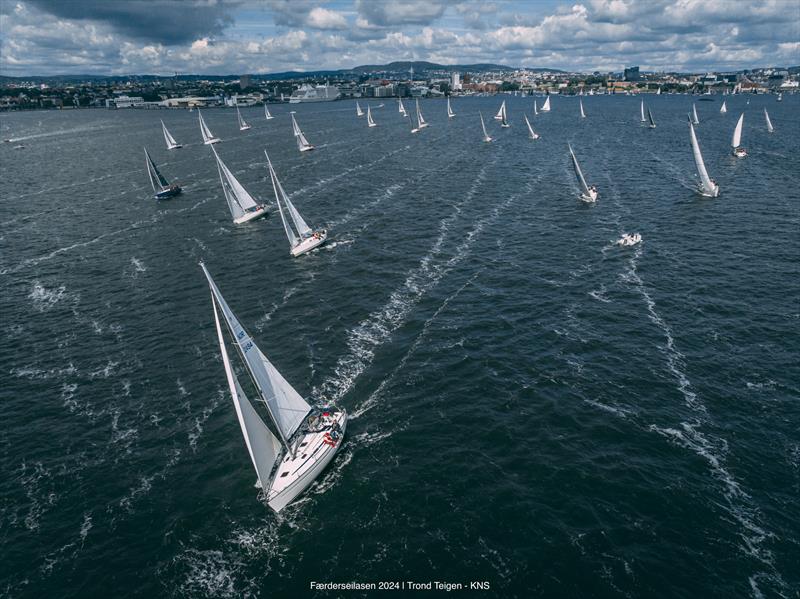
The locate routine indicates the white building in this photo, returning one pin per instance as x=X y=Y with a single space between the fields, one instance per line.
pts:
x=456 y=82
x=124 y=102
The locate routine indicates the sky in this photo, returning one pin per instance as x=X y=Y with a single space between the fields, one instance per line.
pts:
x=220 y=37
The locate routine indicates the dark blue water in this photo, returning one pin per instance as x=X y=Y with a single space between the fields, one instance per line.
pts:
x=531 y=405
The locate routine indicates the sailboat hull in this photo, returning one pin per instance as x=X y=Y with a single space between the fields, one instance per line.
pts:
x=213 y=140
x=319 y=452
x=168 y=193
x=739 y=152
x=308 y=244
x=174 y=146
x=245 y=128
x=259 y=212
x=591 y=198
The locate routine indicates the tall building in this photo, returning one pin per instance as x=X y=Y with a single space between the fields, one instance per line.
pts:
x=456 y=82
x=632 y=74
x=244 y=81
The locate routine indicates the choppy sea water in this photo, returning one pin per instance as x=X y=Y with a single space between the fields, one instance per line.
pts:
x=531 y=405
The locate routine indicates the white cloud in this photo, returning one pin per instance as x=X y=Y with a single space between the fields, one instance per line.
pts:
x=322 y=18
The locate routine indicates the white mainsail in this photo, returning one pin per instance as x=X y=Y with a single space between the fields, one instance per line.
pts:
x=450 y=113
x=583 y=114
x=641 y=108
x=483 y=126
x=531 y=132
x=302 y=142
x=695 y=120
x=400 y=108
x=724 y=108
x=707 y=186
x=546 y=105
x=501 y=112
x=285 y=405
x=652 y=124
x=300 y=227
x=370 y=122
x=535 y=109
x=239 y=200
x=737 y=133
x=208 y=137
x=420 y=121
x=579 y=173
x=171 y=143
x=157 y=180
x=359 y=112
x=243 y=126
x=770 y=129
x=267 y=114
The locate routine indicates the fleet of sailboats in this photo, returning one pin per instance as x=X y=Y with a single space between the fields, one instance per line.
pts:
x=588 y=194
x=243 y=126
x=303 y=440
x=162 y=189
x=736 y=141
x=302 y=142
x=171 y=143
x=707 y=186
x=208 y=137
x=241 y=204
x=302 y=238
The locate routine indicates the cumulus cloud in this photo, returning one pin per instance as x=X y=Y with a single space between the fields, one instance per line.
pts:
x=388 y=13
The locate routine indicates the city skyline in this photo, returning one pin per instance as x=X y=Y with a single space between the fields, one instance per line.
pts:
x=161 y=37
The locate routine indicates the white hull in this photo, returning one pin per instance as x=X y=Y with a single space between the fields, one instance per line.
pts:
x=308 y=244
x=245 y=128
x=713 y=194
x=629 y=239
x=280 y=495
x=213 y=140
x=248 y=216
x=591 y=198
x=740 y=152
x=306 y=148
x=174 y=146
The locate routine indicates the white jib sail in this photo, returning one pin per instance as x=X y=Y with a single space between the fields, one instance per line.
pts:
x=171 y=143
x=267 y=114
x=705 y=181
x=769 y=122
x=724 y=108
x=359 y=112
x=302 y=142
x=583 y=114
x=420 y=120
x=501 y=112
x=263 y=447
x=207 y=135
x=530 y=129
x=737 y=133
x=303 y=230
x=483 y=126
x=285 y=405
x=695 y=120
x=450 y=113
x=579 y=173
x=237 y=197
x=546 y=105
x=242 y=123
x=400 y=108
x=370 y=122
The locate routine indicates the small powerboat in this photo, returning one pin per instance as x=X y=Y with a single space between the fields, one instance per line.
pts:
x=629 y=239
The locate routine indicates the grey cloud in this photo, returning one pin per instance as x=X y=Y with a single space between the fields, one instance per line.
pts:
x=402 y=12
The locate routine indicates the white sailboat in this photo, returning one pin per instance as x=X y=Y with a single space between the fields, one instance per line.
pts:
x=546 y=105
x=302 y=142
x=707 y=186
x=359 y=112
x=450 y=113
x=652 y=123
x=241 y=204
x=531 y=132
x=583 y=114
x=641 y=109
x=736 y=142
x=780 y=97
x=162 y=189
x=307 y=439
x=770 y=129
x=535 y=109
x=400 y=108
x=724 y=108
x=421 y=124
x=486 y=136
x=171 y=143
x=208 y=137
x=370 y=122
x=504 y=117
x=588 y=194
x=695 y=120
x=302 y=238
x=267 y=114
x=243 y=126
x=501 y=112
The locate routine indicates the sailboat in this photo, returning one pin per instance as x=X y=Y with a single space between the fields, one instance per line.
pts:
x=267 y=114
x=641 y=109
x=486 y=137
x=583 y=114
x=707 y=186
x=695 y=120
x=370 y=122
x=307 y=439
x=780 y=97
x=302 y=238
x=652 y=124
x=450 y=113
x=302 y=142
x=400 y=108
x=208 y=137
x=535 y=109
x=504 y=117
x=546 y=105
x=501 y=112
x=736 y=142
x=161 y=187
x=171 y=143
x=359 y=112
x=588 y=194
x=243 y=126
x=421 y=124
x=770 y=129
x=724 y=108
x=531 y=132
x=241 y=204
